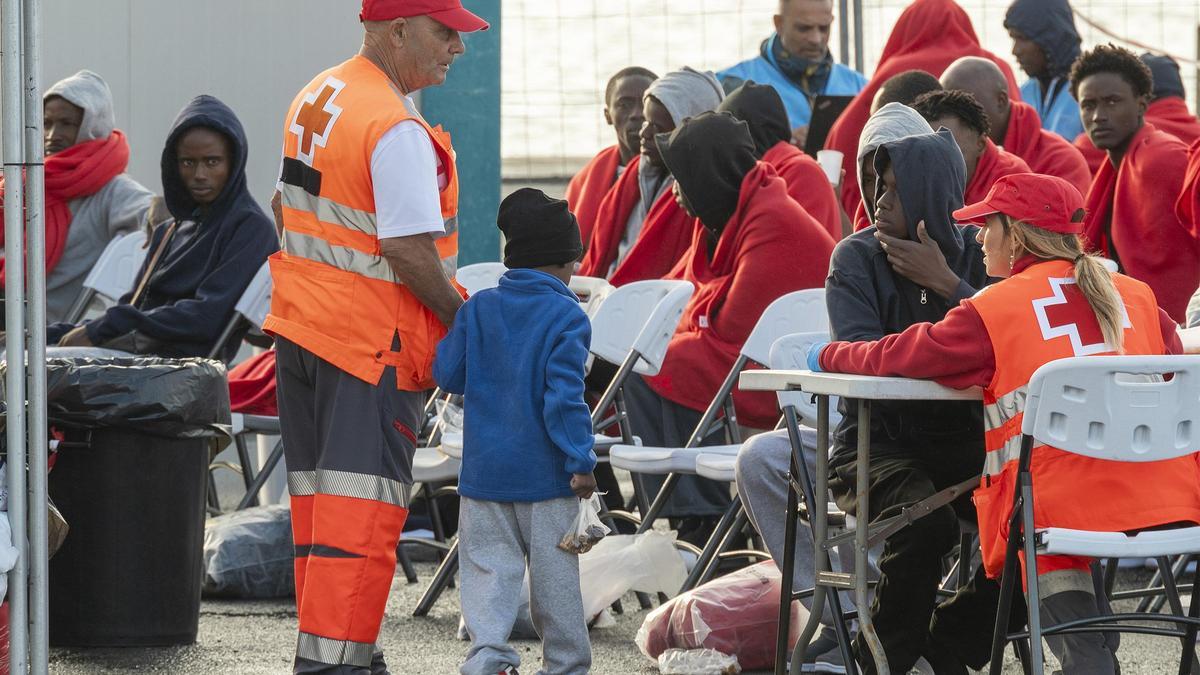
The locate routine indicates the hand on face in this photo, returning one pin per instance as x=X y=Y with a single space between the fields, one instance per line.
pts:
x=921 y=261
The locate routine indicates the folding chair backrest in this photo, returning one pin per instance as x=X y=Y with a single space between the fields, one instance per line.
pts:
x=790 y=352
x=480 y=276
x=797 y=312
x=1116 y=407
x=115 y=272
x=255 y=302
x=628 y=311
x=592 y=292
x=652 y=342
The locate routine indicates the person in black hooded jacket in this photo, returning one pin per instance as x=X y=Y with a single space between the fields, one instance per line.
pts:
x=207 y=254
x=1046 y=43
x=919 y=447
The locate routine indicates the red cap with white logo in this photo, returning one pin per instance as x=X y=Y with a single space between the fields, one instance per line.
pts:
x=449 y=13
x=1045 y=202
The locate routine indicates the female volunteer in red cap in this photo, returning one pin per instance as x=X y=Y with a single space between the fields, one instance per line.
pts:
x=362 y=294
x=1053 y=302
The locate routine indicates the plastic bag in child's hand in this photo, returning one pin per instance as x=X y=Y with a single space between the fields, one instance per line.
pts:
x=587 y=529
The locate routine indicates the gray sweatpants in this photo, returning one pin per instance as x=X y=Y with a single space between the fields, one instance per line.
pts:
x=496 y=540
x=762 y=467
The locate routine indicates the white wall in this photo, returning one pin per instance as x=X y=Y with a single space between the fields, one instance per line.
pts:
x=158 y=54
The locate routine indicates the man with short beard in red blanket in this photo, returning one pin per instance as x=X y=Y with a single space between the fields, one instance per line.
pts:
x=623 y=112
x=1131 y=215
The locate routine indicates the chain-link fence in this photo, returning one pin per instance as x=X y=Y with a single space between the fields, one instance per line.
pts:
x=558 y=55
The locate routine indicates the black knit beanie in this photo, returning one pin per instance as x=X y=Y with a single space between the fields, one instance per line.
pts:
x=539 y=231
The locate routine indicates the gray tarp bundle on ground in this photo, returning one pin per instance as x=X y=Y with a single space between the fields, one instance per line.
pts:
x=174 y=398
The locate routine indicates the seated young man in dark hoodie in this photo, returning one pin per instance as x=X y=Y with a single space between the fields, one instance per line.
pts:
x=917 y=448
x=200 y=262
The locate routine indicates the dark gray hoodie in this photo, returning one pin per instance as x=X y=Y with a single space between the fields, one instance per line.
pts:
x=868 y=300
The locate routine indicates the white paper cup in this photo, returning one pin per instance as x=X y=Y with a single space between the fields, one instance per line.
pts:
x=831 y=163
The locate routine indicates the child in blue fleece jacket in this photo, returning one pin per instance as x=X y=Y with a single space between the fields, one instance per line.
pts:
x=517 y=354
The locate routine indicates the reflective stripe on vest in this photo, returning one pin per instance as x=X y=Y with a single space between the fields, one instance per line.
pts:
x=334 y=652
x=349 y=259
x=327 y=210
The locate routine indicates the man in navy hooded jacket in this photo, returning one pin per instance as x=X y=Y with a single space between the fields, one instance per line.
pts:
x=207 y=254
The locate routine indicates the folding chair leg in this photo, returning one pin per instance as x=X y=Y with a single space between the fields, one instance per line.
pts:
x=659 y=503
x=214 y=501
x=1111 y=565
x=712 y=548
x=786 y=571
x=441 y=579
x=1008 y=584
x=1036 y=661
x=410 y=573
x=966 y=549
x=251 y=496
x=724 y=544
x=1188 y=658
x=244 y=459
x=1176 y=570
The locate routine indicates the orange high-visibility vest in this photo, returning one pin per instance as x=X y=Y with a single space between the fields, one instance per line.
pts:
x=1032 y=318
x=334 y=294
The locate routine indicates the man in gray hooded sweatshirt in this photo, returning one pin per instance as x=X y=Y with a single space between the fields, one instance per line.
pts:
x=86 y=158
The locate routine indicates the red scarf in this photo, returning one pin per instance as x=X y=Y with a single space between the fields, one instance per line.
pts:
x=78 y=171
x=1137 y=202
x=588 y=188
x=663 y=241
x=993 y=164
x=609 y=226
x=929 y=35
x=806 y=183
x=1166 y=114
x=769 y=248
x=1044 y=151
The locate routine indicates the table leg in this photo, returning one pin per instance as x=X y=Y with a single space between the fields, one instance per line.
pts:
x=862 y=522
x=817 y=516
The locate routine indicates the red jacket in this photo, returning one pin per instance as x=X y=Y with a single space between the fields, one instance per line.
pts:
x=769 y=248
x=589 y=187
x=1131 y=218
x=929 y=35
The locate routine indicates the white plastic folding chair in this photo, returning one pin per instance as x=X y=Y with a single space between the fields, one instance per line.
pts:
x=1120 y=409
x=630 y=329
x=480 y=276
x=251 y=308
x=785 y=315
x=113 y=275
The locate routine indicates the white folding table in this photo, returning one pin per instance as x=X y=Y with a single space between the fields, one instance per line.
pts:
x=864 y=389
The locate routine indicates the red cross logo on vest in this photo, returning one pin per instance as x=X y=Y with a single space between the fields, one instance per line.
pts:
x=1060 y=316
x=315 y=117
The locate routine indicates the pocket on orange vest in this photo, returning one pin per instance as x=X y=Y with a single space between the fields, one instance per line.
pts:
x=993 y=504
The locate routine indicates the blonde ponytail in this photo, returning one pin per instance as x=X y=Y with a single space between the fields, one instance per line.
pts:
x=1093 y=280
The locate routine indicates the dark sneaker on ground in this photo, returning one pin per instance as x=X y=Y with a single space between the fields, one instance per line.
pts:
x=823 y=655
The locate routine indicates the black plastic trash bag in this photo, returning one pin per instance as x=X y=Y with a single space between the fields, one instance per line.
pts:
x=172 y=398
x=249 y=554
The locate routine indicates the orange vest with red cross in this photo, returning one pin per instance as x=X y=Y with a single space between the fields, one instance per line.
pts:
x=1032 y=318
x=334 y=294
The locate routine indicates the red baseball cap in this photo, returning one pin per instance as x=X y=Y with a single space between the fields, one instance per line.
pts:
x=1046 y=202
x=449 y=13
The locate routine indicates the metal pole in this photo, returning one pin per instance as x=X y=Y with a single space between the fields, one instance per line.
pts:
x=859 y=65
x=14 y=293
x=844 y=32
x=35 y=233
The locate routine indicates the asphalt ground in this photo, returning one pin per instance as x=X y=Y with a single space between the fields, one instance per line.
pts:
x=249 y=637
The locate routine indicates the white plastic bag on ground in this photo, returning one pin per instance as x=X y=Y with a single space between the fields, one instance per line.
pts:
x=697 y=662
x=587 y=530
x=645 y=562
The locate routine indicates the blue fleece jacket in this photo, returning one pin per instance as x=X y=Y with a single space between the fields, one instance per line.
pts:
x=517 y=354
